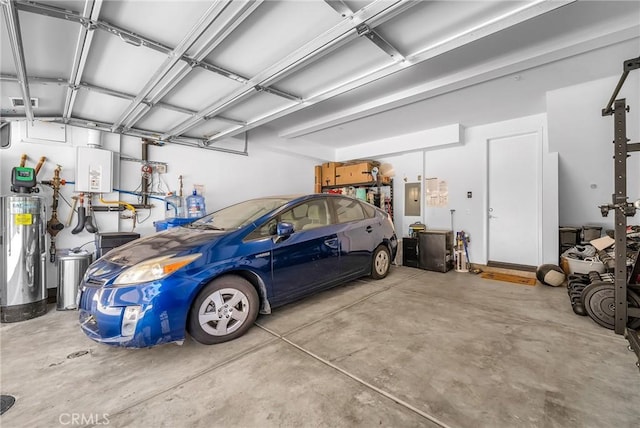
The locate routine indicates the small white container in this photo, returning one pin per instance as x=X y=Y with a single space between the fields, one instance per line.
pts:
x=582 y=266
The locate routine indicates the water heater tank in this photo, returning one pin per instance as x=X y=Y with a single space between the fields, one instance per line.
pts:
x=22 y=259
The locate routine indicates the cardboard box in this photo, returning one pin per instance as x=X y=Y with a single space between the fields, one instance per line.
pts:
x=354 y=174
x=318 y=174
x=329 y=173
x=384 y=179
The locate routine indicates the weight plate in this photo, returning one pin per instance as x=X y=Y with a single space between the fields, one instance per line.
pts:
x=598 y=300
x=634 y=302
x=599 y=303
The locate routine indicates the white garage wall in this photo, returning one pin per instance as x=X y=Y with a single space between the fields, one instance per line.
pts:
x=228 y=178
x=583 y=138
x=464 y=168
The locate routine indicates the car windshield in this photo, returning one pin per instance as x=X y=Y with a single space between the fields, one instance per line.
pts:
x=238 y=215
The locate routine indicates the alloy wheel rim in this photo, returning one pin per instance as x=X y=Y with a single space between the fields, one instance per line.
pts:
x=382 y=262
x=223 y=312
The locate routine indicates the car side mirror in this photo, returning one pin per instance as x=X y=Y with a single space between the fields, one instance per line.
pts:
x=283 y=231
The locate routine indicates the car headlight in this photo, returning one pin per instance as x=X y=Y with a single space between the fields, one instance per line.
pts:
x=154 y=269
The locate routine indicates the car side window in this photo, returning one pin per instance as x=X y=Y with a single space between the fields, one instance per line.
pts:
x=348 y=210
x=264 y=231
x=308 y=215
x=369 y=210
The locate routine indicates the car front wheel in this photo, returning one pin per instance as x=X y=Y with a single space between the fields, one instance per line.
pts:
x=380 y=262
x=224 y=310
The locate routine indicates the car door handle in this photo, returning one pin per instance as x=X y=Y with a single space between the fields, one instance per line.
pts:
x=369 y=229
x=332 y=242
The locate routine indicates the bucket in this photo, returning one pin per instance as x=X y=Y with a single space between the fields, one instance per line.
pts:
x=71 y=269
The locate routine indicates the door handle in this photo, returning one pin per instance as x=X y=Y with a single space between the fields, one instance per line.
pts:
x=332 y=242
x=369 y=229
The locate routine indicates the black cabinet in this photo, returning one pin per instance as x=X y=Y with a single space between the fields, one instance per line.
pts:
x=431 y=250
x=434 y=250
x=410 y=252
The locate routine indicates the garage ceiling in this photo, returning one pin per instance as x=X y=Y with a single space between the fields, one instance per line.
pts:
x=198 y=72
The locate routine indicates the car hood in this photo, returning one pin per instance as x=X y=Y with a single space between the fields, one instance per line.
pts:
x=175 y=241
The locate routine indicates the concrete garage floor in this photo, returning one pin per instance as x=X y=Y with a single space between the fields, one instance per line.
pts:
x=418 y=348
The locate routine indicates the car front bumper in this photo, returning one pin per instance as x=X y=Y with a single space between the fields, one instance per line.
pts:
x=160 y=313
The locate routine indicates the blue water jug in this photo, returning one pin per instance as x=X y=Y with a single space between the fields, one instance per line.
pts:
x=195 y=205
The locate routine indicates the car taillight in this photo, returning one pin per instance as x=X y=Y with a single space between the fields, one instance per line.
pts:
x=390 y=221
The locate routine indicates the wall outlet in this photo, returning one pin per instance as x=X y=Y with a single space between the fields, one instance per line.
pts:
x=161 y=168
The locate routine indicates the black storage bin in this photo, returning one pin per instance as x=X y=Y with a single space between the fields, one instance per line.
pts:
x=569 y=236
x=589 y=233
x=435 y=250
x=108 y=241
x=410 y=252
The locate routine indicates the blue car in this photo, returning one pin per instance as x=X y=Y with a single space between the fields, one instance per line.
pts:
x=211 y=277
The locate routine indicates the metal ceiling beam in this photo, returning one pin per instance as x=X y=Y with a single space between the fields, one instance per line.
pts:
x=85 y=37
x=514 y=17
x=125 y=35
x=226 y=21
x=379 y=41
x=364 y=30
x=197 y=60
x=140 y=133
x=203 y=24
x=15 y=38
x=372 y=14
x=60 y=81
x=237 y=13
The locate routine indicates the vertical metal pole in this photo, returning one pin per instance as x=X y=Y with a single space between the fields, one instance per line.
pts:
x=620 y=201
x=145 y=182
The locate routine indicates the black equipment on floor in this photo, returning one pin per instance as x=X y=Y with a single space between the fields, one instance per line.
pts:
x=430 y=250
x=410 y=252
x=110 y=240
x=435 y=250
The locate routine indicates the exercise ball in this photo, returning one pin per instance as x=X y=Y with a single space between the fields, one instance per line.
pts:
x=550 y=275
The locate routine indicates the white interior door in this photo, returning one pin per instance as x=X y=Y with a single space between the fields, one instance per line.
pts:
x=514 y=181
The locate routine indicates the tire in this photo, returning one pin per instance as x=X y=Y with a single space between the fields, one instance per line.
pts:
x=380 y=262
x=224 y=310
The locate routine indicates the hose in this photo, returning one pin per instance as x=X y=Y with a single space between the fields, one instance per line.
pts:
x=126 y=205
x=89 y=224
x=81 y=220
x=126 y=192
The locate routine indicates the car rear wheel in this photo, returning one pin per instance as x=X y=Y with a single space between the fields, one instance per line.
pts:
x=224 y=310
x=380 y=262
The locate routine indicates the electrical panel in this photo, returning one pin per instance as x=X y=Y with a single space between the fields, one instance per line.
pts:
x=94 y=170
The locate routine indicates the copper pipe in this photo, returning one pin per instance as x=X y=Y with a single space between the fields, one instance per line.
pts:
x=23 y=160
x=40 y=162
